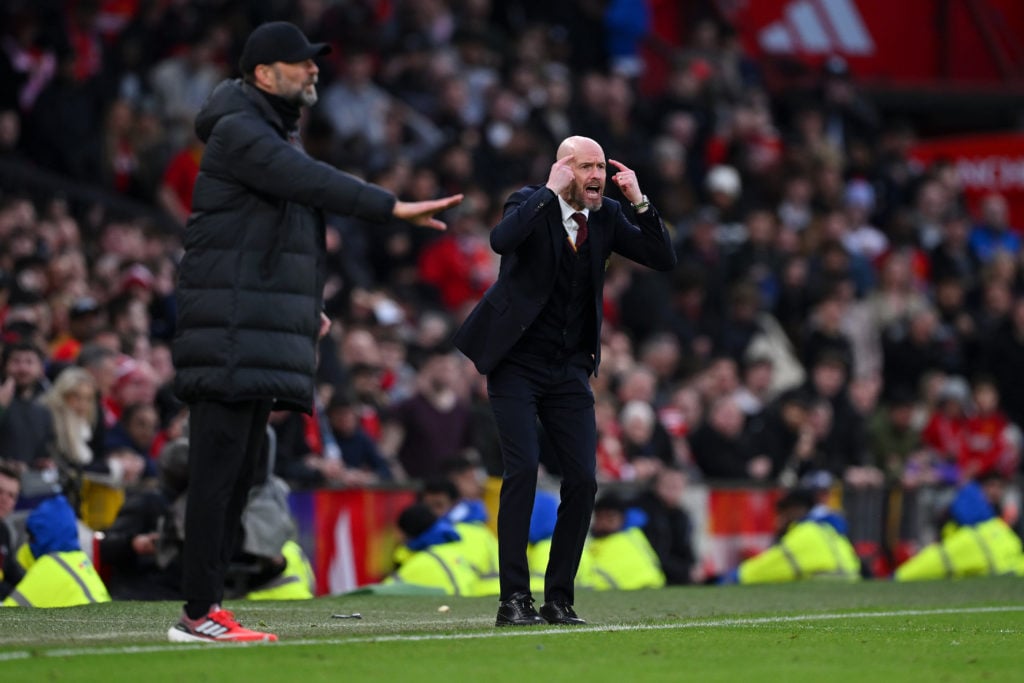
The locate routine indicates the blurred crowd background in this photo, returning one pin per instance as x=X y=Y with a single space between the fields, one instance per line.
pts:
x=839 y=307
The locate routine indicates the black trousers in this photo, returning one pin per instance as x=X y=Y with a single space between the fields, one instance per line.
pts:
x=224 y=456
x=523 y=390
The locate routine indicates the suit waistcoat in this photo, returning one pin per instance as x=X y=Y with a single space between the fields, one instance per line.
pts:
x=566 y=323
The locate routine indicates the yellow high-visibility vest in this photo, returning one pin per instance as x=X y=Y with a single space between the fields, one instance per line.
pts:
x=480 y=546
x=537 y=555
x=296 y=582
x=441 y=566
x=61 y=579
x=987 y=549
x=623 y=560
x=808 y=550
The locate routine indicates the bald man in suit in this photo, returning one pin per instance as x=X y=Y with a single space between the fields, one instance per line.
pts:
x=536 y=335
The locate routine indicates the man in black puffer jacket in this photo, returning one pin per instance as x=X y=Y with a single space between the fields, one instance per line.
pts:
x=250 y=295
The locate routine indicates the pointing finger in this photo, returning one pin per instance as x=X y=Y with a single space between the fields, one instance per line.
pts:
x=448 y=202
x=618 y=165
x=566 y=160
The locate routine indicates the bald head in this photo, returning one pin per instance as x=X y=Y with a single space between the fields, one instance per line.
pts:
x=577 y=144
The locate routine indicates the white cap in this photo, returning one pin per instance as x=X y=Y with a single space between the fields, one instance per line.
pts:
x=724 y=179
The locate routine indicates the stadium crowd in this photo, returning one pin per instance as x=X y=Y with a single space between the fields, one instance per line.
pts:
x=836 y=308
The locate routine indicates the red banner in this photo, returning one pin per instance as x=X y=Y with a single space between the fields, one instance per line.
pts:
x=897 y=43
x=984 y=163
x=740 y=524
x=354 y=531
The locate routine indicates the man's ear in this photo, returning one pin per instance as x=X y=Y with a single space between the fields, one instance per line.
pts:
x=263 y=76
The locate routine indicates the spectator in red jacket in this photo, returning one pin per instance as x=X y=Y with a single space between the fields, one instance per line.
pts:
x=460 y=264
x=943 y=435
x=987 y=444
x=175 y=191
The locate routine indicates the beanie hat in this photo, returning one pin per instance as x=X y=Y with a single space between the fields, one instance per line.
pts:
x=416 y=519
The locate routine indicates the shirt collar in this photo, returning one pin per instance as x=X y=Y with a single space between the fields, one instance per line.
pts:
x=568 y=211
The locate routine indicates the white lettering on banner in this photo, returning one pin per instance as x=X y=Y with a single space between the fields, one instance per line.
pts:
x=804 y=19
x=341 y=576
x=818 y=27
x=976 y=173
x=846 y=21
x=1012 y=173
x=992 y=173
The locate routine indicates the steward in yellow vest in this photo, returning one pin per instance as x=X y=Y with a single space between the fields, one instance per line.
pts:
x=469 y=517
x=809 y=548
x=976 y=542
x=296 y=582
x=438 y=558
x=58 y=573
x=617 y=554
x=480 y=548
x=480 y=545
x=542 y=526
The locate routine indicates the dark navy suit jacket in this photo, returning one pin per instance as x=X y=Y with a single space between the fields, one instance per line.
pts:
x=531 y=239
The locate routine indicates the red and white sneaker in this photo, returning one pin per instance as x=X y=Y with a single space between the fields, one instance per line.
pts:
x=216 y=626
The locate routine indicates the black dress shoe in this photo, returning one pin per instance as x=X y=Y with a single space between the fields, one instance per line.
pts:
x=560 y=612
x=518 y=611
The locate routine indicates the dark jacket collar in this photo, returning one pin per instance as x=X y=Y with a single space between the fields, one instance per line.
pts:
x=231 y=97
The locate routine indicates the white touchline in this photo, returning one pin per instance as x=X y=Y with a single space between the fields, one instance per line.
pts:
x=524 y=632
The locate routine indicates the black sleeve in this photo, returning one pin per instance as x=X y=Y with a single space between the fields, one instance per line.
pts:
x=139 y=515
x=289 y=461
x=668 y=532
x=12 y=571
x=263 y=161
x=716 y=458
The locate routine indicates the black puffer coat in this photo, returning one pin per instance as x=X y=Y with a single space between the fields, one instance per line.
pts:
x=251 y=281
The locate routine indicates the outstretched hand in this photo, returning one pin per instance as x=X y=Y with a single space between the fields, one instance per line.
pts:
x=422 y=213
x=561 y=175
x=625 y=178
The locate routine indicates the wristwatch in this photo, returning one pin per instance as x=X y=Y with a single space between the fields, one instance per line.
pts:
x=641 y=205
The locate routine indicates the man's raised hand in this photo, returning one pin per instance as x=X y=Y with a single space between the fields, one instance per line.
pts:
x=625 y=178
x=422 y=213
x=561 y=175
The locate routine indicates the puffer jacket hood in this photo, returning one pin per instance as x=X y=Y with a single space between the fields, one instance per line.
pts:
x=232 y=97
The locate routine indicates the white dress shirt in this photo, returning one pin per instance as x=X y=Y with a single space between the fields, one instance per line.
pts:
x=571 y=227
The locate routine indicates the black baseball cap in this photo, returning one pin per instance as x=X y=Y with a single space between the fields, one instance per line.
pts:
x=278 y=41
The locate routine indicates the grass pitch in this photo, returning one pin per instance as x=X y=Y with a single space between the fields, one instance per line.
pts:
x=878 y=631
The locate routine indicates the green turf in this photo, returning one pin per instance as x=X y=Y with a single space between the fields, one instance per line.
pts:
x=943 y=631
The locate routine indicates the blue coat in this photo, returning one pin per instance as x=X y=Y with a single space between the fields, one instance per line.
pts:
x=530 y=239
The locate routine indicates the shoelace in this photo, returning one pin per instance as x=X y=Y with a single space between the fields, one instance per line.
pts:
x=225 y=618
